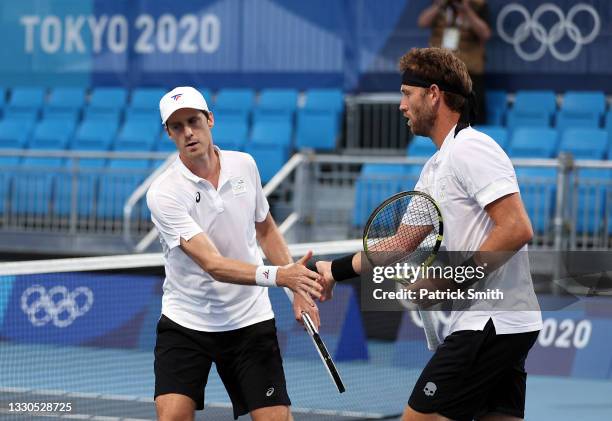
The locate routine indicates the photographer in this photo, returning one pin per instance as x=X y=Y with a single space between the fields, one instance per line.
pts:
x=462 y=26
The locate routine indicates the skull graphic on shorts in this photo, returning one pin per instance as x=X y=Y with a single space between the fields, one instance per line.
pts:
x=430 y=389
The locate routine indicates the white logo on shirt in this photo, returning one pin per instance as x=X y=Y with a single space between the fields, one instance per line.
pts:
x=238 y=186
x=270 y=392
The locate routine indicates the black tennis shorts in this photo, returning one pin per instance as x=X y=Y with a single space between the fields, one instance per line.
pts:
x=473 y=373
x=248 y=361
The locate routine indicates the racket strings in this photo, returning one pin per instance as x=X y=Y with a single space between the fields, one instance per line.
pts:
x=405 y=229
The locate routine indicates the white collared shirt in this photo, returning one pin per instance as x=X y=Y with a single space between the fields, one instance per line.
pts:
x=468 y=172
x=184 y=205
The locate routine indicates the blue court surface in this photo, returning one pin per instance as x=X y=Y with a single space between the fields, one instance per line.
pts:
x=118 y=384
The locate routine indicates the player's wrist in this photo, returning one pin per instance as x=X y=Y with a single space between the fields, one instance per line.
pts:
x=265 y=276
x=342 y=268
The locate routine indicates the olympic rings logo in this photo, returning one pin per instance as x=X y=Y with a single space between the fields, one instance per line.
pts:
x=531 y=26
x=58 y=305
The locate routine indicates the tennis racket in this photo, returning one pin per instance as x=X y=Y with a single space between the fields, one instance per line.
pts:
x=406 y=228
x=323 y=352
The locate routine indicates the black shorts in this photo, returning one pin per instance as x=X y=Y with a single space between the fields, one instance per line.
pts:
x=473 y=373
x=248 y=361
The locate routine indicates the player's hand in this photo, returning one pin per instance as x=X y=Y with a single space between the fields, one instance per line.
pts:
x=300 y=305
x=300 y=279
x=324 y=269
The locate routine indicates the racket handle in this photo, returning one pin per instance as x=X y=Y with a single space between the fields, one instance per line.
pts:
x=431 y=333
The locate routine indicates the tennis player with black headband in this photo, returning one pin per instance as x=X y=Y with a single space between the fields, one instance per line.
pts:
x=478 y=372
x=210 y=211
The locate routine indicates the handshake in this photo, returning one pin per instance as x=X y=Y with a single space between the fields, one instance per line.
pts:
x=308 y=280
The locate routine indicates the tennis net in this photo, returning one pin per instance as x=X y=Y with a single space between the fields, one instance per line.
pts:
x=77 y=339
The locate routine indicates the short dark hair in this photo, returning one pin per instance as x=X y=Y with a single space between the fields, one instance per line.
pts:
x=439 y=64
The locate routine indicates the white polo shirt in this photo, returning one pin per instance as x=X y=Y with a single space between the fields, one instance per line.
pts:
x=468 y=172
x=183 y=205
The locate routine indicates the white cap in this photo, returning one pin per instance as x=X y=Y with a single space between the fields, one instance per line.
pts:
x=181 y=97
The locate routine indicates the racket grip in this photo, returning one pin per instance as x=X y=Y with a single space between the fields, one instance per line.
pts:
x=431 y=333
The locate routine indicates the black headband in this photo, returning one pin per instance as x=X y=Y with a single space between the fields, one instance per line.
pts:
x=468 y=115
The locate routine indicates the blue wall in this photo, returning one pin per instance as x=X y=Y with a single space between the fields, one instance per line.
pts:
x=353 y=44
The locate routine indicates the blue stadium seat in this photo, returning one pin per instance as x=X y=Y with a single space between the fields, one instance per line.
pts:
x=232 y=116
x=33 y=187
x=65 y=99
x=324 y=100
x=581 y=109
x=498 y=133
x=608 y=127
x=235 y=100
x=94 y=135
x=106 y=103
x=116 y=186
x=592 y=187
x=421 y=146
x=585 y=143
x=25 y=117
x=146 y=99
x=137 y=135
x=150 y=116
x=317 y=129
x=497 y=106
x=87 y=175
x=27 y=98
x=272 y=132
x=376 y=183
x=269 y=145
x=13 y=134
x=165 y=144
x=533 y=142
x=62 y=114
x=5 y=188
x=276 y=105
x=532 y=109
x=108 y=114
x=270 y=158
x=52 y=134
x=278 y=99
x=538 y=191
x=230 y=136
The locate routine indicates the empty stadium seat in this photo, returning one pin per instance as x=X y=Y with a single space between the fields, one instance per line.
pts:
x=27 y=117
x=272 y=132
x=533 y=142
x=421 y=146
x=270 y=157
x=324 y=100
x=106 y=103
x=231 y=136
x=376 y=183
x=146 y=99
x=278 y=100
x=137 y=135
x=592 y=189
x=317 y=130
x=538 y=191
x=86 y=175
x=497 y=106
x=117 y=184
x=581 y=109
x=532 y=109
x=13 y=134
x=52 y=134
x=33 y=186
x=498 y=133
x=65 y=99
x=26 y=98
x=235 y=100
x=585 y=143
x=94 y=135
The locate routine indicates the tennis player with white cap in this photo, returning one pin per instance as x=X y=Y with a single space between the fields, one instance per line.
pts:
x=210 y=211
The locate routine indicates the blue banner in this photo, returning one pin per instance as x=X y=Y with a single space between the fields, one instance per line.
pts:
x=352 y=44
x=81 y=308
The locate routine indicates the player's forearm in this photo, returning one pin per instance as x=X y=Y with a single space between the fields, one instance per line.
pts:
x=228 y=270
